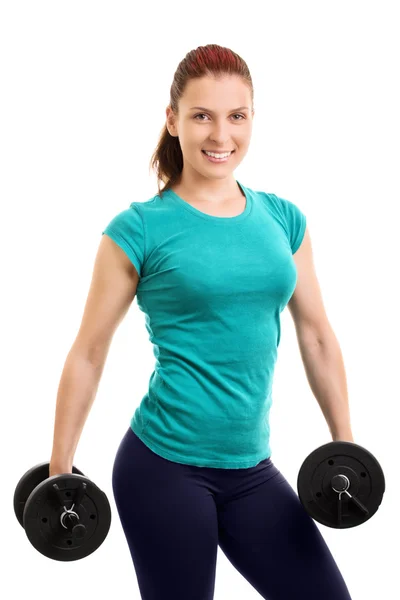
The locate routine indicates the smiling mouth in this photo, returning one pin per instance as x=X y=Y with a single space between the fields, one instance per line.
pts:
x=226 y=151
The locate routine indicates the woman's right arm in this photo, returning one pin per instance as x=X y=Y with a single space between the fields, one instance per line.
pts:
x=112 y=290
x=76 y=393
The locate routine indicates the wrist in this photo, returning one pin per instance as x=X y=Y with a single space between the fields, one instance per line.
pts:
x=345 y=436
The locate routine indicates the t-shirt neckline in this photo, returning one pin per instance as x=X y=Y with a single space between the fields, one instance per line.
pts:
x=226 y=220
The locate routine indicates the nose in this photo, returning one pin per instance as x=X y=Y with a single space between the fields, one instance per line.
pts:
x=220 y=141
x=220 y=136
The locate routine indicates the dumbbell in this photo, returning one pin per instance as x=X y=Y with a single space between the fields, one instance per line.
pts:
x=66 y=517
x=341 y=484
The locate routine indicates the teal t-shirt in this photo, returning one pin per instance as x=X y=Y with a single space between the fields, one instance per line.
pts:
x=212 y=290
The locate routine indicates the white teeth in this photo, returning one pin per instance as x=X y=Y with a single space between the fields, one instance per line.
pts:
x=217 y=155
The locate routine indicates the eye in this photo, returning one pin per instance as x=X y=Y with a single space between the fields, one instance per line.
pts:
x=235 y=114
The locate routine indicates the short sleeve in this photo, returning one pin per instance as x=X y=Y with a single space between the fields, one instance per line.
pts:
x=127 y=231
x=295 y=221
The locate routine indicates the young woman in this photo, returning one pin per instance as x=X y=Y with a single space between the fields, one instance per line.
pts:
x=212 y=264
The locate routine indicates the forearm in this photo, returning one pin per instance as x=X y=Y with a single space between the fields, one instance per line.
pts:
x=324 y=367
x=76 y=393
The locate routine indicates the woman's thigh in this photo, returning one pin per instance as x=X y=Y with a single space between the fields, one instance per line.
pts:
x=170 y=524
x=268 y=536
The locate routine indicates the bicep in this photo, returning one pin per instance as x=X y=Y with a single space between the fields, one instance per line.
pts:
x=112 y=290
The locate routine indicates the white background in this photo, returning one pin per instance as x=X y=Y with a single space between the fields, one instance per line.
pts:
x=84 y=87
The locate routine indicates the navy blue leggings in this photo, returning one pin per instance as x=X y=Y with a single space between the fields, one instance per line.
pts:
x=174 y=516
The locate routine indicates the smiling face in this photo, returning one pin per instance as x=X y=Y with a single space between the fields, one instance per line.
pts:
x=223 y=122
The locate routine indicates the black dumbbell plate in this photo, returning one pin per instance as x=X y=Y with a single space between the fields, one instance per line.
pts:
x=314 y=484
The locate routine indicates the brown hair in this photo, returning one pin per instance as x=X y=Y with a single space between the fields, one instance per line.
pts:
x=211 y=60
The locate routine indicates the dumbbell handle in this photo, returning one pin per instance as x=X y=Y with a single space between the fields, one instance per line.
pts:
x=341 y=483
x=69 y=519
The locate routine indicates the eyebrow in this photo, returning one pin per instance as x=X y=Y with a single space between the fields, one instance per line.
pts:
x=210 y=111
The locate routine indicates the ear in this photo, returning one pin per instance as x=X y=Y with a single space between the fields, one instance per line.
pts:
x=170 y=124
